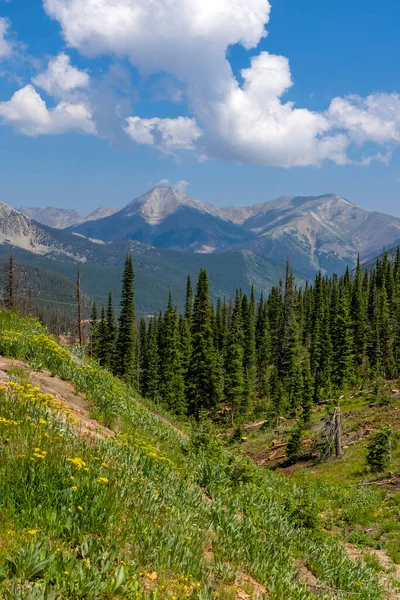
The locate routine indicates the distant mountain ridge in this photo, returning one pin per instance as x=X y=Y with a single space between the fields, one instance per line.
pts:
x=157 y=270
x=61 y=218
x=318 y=232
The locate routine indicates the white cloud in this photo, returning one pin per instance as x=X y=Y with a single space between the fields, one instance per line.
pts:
x=60 y=77
x=375 y=118
x=167 y=134
x=27 y=113
x=181 y=185
x=249 y=122
x=5 y=45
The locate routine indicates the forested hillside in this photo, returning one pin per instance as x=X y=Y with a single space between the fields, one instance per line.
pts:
x=134 y=507
x=276 y=355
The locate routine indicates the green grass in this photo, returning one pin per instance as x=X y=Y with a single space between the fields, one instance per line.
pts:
x=146 y=513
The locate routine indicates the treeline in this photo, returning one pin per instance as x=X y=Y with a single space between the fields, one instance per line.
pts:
x=33 y=291
x=279 y=354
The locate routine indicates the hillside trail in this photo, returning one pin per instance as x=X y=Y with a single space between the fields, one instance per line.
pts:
x=75 y=403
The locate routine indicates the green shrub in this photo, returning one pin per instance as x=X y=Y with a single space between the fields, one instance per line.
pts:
x=379 y=450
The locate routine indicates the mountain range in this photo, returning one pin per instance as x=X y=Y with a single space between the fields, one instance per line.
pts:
x=61 y=218
x=319 y=233
x=171 y=235
x=157 y=270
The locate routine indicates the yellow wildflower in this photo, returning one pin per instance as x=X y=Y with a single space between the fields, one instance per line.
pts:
x=102 y=480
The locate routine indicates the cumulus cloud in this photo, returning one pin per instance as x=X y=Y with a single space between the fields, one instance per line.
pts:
x=375 y=118
x=181 y=185
x=60 y=77
x=5 y=45
x=27 y=112
x=167 y=134
x=247 y=121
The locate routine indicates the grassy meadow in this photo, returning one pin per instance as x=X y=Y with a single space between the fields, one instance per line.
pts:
x=148 y=513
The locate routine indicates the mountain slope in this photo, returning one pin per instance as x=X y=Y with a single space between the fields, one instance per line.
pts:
x=138 y=511
x=158 y=271
x=324 y=232
x=61 y=218
x=167 y=218
x=319 y=232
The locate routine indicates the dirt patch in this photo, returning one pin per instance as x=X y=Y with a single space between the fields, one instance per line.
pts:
x=391 y=570
x=64 y=392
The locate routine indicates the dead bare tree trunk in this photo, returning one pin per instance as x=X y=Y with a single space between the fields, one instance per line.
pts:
x=338 y=432
x=79 y=307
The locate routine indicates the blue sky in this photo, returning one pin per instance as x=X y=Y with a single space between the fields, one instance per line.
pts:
x=152 y=98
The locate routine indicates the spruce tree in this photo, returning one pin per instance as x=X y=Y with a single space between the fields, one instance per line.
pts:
x=125 y=350
x=142 y=353
x=111 y=333
x=172 y=381
x=203 y=383
x=151 y=377
x=249 y=349
x=94 y=331
x=263 y=348
x=234 y=375
x=102 y=337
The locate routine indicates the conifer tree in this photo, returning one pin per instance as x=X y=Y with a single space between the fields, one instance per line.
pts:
x=307 y=391
x=289 y=365
x=10 y=287
x=275 y=319
x=263 y=348
x=102 y=337
x=358 y=314
x=142 y=353
x=249 y=348
x=343 y=351
x=234 y=375
x=94 y=331
x=125 y=350
x=203 y=384
x=111 y=334
x=151 y=384
x=172 y=382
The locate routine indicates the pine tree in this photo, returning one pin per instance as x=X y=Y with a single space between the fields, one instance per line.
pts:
x=10 y=288
x=307 y=391
x=151 y=385
x=249 y=349
x=142 y=353
x=234 y=375
x=125 y=350
x=172 y=382
x=275 y=319
x=111 y=334
x=358 y=315
x=289 y=365
x=94 y=331
x=263 y=348
x=102 y=338
x=343 y=351
x=203 y=384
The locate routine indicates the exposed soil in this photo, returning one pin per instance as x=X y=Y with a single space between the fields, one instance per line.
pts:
x=64 y=392
x=391 y=570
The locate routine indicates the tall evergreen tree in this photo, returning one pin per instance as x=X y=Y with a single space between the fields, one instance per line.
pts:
x=203 y=383
x=234 y=375
x=111 y=334
x=249 y=348
x=172 y=382
x=125 y=350
x=151 y=378
x=94 y=331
